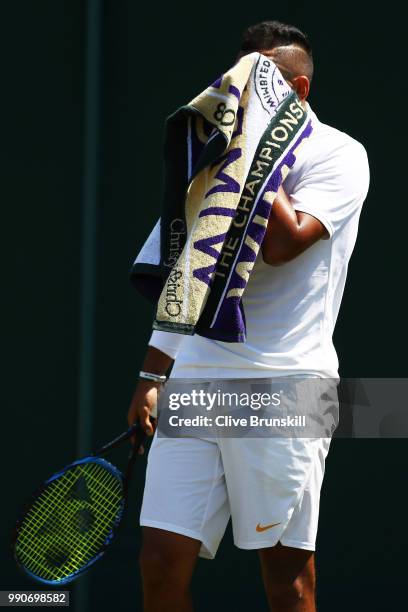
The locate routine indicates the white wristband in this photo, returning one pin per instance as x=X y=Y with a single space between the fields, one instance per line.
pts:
x=153 y=377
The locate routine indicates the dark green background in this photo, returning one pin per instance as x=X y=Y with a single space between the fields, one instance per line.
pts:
x=153 y=59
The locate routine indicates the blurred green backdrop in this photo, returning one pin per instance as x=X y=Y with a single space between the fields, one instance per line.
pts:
x=154 y=58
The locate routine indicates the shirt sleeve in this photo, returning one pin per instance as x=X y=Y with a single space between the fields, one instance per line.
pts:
x=166 y=342
x=335 y=187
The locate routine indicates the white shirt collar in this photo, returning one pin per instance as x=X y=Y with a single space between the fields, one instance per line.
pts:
x=311 y=113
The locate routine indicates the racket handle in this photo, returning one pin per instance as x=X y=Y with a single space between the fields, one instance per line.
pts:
x=135 y=430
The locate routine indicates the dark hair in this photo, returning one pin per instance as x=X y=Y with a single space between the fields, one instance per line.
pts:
x=271 y=34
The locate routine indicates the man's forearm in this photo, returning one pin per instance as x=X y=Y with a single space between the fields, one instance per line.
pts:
x=289 y=233
x=143 y=405
x=156 y=361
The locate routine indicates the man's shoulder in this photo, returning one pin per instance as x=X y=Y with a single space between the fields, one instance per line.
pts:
x=329 y=156
x=334 y=142
x=334 y=158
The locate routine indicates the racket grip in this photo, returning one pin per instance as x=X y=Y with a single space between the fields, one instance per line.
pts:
x=135 y=430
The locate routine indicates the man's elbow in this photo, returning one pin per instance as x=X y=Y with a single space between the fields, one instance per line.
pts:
x=277 y=257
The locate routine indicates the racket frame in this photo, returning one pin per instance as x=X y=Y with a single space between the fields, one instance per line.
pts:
x=134 y=430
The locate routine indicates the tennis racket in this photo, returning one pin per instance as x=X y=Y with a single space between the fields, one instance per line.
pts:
x=73 y=516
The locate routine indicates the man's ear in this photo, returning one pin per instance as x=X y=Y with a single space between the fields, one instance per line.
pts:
x=302 y=86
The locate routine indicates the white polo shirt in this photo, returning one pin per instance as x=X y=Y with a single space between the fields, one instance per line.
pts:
x=291 y=310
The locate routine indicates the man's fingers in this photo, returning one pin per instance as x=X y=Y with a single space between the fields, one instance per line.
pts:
x=148 y=427
x=141 y=416
x=146 y=423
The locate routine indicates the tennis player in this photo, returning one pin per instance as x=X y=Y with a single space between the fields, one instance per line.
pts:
x=193 y=485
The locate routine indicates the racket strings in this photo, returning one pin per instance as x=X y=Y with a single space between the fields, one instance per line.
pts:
x=70 y=521
x=61 y=540
x=43 y=509
x=46 y=510
x=55 y=555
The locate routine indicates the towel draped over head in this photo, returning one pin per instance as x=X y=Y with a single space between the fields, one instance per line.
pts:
x=226 y=153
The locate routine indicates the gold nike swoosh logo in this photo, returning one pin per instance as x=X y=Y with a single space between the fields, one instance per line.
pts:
x=261 y=528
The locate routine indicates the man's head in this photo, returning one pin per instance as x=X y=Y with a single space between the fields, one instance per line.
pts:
x=288 y=48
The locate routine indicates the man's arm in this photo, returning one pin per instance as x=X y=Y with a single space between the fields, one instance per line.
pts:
x=156 y=361
x=289 y=232
x=144 y=399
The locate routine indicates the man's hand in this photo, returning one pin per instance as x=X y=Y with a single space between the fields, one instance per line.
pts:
x=144 y=400
x=143 y=405
x=289 y=233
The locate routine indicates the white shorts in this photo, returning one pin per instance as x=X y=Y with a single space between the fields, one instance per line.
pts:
x=270 y=488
